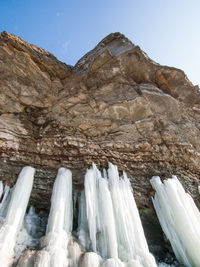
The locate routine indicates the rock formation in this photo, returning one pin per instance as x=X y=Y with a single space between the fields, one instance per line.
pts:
x=115 y=104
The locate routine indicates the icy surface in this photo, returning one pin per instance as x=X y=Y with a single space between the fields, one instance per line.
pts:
x=179 y=218
x=31 y=232
x=13 y=208
x=83 y=232
x=59 y=226
x=60 y=217
x=113 y=224
x=4 y=203
x=113 y=263
x=90 y=259
x=74 y=253
x=1 y=188
x=35 y=224
x=110 y=232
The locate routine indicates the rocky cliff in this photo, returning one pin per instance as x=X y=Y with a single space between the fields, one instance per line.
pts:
x=115 y=104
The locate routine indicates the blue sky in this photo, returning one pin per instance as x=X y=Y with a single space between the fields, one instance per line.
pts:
x=167 y=30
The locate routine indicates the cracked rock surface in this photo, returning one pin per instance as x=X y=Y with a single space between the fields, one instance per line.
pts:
x=115 y=104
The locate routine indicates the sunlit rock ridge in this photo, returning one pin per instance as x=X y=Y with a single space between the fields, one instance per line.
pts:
x=115 y=105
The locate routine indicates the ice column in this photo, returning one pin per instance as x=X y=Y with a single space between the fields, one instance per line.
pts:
x=14 y=214
x=179 y=219
x=100 y=215
x=59 y=226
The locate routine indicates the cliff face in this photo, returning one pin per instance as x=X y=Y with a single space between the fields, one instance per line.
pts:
x=115 y=104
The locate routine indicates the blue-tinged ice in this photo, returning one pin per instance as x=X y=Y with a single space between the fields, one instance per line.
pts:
x=179 y=218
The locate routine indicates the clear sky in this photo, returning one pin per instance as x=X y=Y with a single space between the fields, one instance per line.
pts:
x=167 y=30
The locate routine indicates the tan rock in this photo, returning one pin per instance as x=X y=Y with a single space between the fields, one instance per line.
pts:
x=115 y=104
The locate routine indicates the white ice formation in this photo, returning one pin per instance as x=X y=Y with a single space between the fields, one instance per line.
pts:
x=59 y=227
x=12 y=210
x=179 y=218
x=109 y=222
x=110 y=231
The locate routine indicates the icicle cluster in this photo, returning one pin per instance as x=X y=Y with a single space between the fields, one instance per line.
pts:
x=109 y=222
x=109 y=233
x=179 y=219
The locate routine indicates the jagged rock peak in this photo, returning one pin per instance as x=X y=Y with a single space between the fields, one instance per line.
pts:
x=116 y=43
x=116 y=36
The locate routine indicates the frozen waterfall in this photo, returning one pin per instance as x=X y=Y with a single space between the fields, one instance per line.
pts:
x=12 y=210
x=111 y=225
x=179 y=218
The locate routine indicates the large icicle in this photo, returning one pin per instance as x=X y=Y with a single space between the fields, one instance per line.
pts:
x=179 y=219
x=114 y=226
x=59 y=226
x=15 y=214
x=132 y=243
x=100 y=214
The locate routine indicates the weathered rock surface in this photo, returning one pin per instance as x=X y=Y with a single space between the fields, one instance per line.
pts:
x=115 y=104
